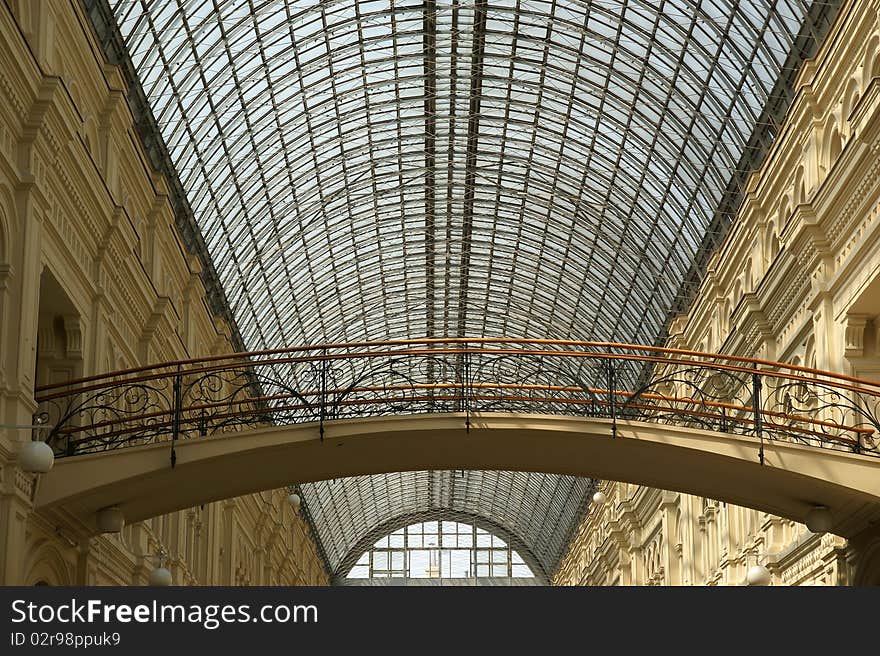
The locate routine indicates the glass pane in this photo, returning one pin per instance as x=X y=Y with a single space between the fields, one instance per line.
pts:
x=359 y=572
x=522 y=571
x=450 y=562
x=461 y=564
x=419 y=562
x=380 y=560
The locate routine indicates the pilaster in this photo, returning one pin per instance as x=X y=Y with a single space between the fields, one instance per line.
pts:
x=16 y=506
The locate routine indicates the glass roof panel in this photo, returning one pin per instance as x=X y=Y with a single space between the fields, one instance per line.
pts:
x=352 y=513
x=384 y=169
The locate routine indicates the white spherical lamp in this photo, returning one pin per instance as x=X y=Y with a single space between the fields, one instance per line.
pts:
x=295 y=501
x=110 y=520
x=758 y=575
x=36 y=457
x=818 y=520
x=599 y=497
x=160 y=577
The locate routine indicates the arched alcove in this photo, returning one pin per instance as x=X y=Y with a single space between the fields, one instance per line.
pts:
x=90 y=140
x=7 y=223
x=771 y=243
x=4 y=236
x=737 y=292
x=810 y=352
x=835 y=146
x=725 y=322
x=867 y=568
x=45 y=565
x=6 y=316
x=850 y=100
x=784 y=212
x=872 y=60
x=60 y=340
x=799 y=187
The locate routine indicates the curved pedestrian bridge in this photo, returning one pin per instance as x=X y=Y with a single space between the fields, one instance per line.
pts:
x=765 y=435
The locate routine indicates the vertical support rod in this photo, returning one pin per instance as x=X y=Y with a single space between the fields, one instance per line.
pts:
x=756 y=409
x=175 y=426
x=69 y=447
x=612 y=401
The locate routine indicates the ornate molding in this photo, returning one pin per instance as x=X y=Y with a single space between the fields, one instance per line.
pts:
x=73 y=346
x=854 y=335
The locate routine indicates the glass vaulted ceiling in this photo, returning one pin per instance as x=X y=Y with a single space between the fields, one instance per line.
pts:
x=390 y=169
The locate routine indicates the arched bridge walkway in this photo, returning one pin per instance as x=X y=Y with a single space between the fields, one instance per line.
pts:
x=760 y=434
x=792 y=480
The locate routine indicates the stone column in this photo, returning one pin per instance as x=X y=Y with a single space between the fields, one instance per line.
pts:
x=669 y=504
x=86 y=563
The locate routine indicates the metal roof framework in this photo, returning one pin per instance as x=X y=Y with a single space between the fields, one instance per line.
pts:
x=381 y=169
x=534 y=512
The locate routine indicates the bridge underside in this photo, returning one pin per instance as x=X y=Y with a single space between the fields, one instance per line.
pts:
x=791 y=481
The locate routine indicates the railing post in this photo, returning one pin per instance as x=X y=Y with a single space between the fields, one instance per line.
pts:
x=612 y=401
x=323 y=394
x=175 y=425
x=857 y=402
x=465 y=388
x=756 y=410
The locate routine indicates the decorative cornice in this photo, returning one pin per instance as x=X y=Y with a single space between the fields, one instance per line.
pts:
x=147 y=130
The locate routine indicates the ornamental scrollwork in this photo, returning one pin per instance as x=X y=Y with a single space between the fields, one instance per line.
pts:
x=199 y=399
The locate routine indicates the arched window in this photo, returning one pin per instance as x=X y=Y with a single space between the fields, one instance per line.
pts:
x=440 y=550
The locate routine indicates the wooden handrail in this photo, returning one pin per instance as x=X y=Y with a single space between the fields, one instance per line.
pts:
x=246 y=358
x=713 y=360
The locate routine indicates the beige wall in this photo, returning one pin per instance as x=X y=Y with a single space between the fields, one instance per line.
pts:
x=797 y=280
x=93 y=278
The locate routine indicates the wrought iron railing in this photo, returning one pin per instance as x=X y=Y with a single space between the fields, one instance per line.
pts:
x=199 y=398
